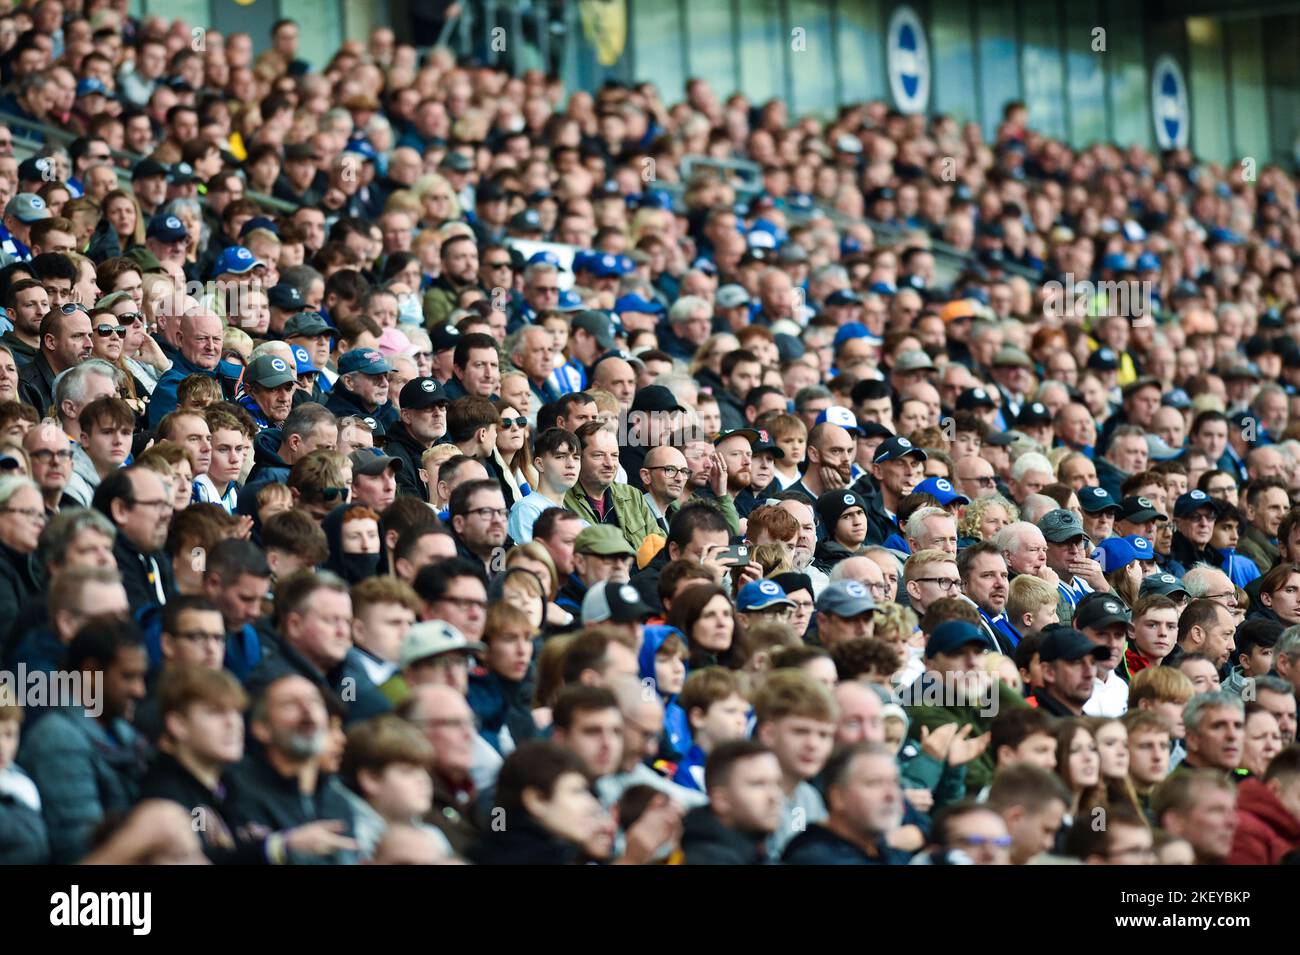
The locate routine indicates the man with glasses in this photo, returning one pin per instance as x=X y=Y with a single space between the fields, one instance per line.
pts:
x=139 y=505
x=929 y=575
x=975 y=476
x=478 y=522
x=664 y=476
x=1067 y=556
x=50 y=452
x=1194 y=516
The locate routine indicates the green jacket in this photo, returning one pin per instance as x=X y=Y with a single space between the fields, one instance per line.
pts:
x=724 y=504
x=979 y=772
x=633 y=514
x=1256 y=546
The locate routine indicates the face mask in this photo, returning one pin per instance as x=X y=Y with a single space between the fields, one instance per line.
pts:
x=357 y=567
x=409 y=311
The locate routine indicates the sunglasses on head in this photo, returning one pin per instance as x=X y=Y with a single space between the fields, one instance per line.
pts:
x=72 y=308
x=104 y=331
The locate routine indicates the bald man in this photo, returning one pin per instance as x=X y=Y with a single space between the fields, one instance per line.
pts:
x=664 y=477
x=198 y=338
x=617 y=377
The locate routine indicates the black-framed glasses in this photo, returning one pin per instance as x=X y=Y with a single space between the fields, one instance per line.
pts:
x=104 y=331
x=670 y=470
x=943 y=583
x=131 y=318
x=333 y=493
x=513 y=423
x=45 y=455
x=487 y=513
x=498 y=265
x=160 y=505
x=983 y=481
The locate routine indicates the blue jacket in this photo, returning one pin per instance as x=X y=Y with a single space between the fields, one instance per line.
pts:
x=83 y=772
x=1240 y=570
x=677 y=728
x=163 y=401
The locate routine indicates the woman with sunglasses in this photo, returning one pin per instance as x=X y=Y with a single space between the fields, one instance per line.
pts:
x=513 y=446
x=108 y=336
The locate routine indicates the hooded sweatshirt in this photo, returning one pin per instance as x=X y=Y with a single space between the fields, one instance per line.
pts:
x=353 y=568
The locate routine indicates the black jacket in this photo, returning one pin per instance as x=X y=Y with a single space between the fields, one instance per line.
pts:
x=707 y=841
x=1186 y=553
x=879 y=524
x=403 y=446
x=268 y=468
x=732 y=409
x=817 y=845
x=168 y=779
x=36 y=384
x=137 y=569
x=522 y=842
x=263 y=801
x=828 y=554
x=344 y=403
x=20 y=584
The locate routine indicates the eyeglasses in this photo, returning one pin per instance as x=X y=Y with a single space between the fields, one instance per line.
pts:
x=512 y=423
x=425 y=355
x=943 y=583
x=982 y=481
x=975 y=842
x=131 y=318
x=670 y=471
x=28 y=512
x=488 y=513
x=1229 y=598
x=104 y=331
x=163 y=505
x=333 y=493
x=45 y=455
x=498 y=265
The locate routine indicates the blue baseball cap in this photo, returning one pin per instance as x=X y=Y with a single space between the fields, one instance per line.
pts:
x=582 y=260
x=570 y=301
x=952 y=635
x=547 y=257
x=942 y=489
x=236 y=260
x=302 y=358
x=1191 y=502
x=1148 y=262
x=92 y=85
x=1116 y=552
x=635 y=303
x=362 y=148
x=367 y=361
x=762 y=595
x=849 y=331
x=605 y=265
x=259 y=222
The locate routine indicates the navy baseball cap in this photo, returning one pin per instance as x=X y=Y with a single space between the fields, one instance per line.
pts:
x=367 y=361
x=1191 y=502
x=307 y=325
x=891 y=449
x=952 y=635
x=1095 y=500
x=420 y=393
x=167 y=228
x=1067 y=643
x=1139 y=510
x=286 y=297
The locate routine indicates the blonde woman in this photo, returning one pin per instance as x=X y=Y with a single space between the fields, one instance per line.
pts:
x=438 y=203
x=536 y=558
x=985 y=516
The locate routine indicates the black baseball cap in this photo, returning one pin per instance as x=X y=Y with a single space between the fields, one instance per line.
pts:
x=419 y=393
x=1138 y=510
x=1095 y=500
x=1067 y=643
